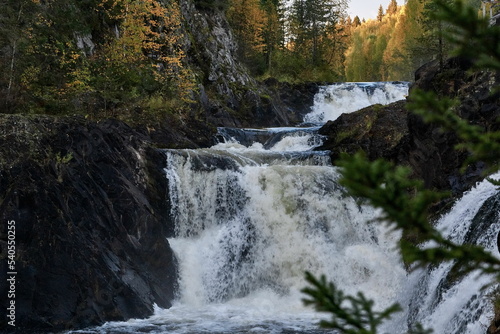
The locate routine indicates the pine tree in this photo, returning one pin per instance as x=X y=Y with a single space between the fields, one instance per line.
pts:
x=248 y=20
x=273 y=30
x=380 y=14
x=405 y=202
x=310 y=21
x=356 y=22
x=432 y=41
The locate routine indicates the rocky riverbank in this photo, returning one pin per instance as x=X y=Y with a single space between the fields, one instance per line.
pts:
x=88 y=205
x=87 y=201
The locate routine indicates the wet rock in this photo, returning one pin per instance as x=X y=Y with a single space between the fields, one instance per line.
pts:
x=91 y=221
x=296 y=99
x=380 y=131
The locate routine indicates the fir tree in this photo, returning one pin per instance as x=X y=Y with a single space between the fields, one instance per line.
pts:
x=404 y=201
x=380 y=14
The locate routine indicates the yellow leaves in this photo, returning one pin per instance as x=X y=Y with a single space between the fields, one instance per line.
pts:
x=30 y=75
x=149 y=43
x=248 y=20
x=379 y=49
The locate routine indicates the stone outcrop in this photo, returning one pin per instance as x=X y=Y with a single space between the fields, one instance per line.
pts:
x=393 y=133
x=227 y=94
x=91 y=220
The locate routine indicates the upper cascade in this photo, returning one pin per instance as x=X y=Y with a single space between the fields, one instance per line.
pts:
x=333 y=100
x=271 y=139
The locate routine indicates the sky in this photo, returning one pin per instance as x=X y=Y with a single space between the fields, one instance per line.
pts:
x=367 y=9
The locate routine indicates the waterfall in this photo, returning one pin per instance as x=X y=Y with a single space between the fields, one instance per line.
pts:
x=345 y=97
x=434 y=296
x=250 y=220
x=255 y=211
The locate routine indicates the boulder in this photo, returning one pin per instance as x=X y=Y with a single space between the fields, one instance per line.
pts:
x=88 y=203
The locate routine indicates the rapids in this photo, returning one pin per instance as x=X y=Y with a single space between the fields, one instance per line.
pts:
x=258 y=209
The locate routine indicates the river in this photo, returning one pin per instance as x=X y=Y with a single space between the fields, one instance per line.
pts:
x=261 y=207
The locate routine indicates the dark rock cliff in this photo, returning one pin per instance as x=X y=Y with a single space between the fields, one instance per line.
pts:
x=91 y=220
x=91 y=215
x=393 y=133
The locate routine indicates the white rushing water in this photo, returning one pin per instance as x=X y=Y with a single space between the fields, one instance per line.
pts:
x=434 y=296
x=333 y=100
x=251 y=221
x=257 y=210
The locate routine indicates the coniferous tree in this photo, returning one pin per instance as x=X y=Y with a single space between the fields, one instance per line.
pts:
x=312 y=22
x=380 y=14
x=248 y=20
x=432 y=41
x=405 y=201
x=356 y=21
x=273 y=30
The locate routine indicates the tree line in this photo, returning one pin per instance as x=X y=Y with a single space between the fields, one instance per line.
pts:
x=405 y=202
x=302 y=40
x=60 y=56
x=315 y=40
x=397 y=42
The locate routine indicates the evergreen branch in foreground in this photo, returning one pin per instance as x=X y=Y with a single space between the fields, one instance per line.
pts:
x=349 y=314
x=482 y=145
x=405 y=203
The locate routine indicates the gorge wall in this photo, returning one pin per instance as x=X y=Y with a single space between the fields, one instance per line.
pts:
x=227 y=95
x=91 y=220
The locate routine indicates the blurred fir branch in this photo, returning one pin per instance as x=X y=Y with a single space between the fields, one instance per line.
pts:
x=473 y=37
x=405 y=204
x=482 y=145
x=350 y=314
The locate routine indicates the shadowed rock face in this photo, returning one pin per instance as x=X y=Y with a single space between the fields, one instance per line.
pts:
x=91 y=221
x=393 y=133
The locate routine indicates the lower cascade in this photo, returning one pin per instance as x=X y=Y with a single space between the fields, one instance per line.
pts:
x=255 y=211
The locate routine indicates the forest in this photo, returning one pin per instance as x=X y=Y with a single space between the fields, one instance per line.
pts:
x=69 y=56
x=315 y=40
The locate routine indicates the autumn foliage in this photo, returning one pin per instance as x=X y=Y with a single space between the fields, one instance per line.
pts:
x=108 y=57
x=64 y=55
x=315 y=40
